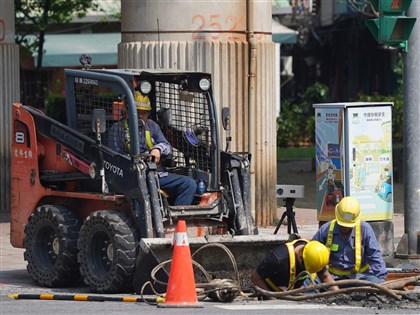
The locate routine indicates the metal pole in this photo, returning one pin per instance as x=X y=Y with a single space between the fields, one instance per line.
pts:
x=251 y=96
x=412 y=135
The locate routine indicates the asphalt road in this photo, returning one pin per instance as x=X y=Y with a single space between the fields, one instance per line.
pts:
x=239 y=306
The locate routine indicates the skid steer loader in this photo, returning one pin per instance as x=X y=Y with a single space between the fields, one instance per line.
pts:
x=82 y=210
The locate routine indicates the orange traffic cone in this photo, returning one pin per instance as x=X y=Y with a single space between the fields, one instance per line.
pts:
x=181 y=291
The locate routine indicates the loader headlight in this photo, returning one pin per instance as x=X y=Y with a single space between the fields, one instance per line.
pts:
x=204 y=84
x=145 y=87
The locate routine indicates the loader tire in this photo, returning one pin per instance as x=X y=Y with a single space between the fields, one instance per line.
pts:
x=107 y=252
x=51 y=246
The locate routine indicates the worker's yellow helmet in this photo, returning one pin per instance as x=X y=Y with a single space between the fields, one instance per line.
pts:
x=347 y=212
x=315 y=256
x=142 y=101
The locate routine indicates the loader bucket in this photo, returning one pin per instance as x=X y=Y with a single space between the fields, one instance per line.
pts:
x=247 y=250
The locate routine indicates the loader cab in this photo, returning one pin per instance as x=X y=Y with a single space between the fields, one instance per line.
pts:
x=182 y=105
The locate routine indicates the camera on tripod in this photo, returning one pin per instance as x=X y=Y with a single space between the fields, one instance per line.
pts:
x=290 y=191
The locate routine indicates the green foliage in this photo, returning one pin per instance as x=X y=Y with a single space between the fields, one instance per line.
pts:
x=34 y=16
x=43 y=12
x=296 y=124
x=397 y=99
x=55 y=107
x=306 y=152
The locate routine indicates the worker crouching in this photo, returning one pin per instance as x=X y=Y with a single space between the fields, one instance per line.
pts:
x=283 y=266
x=354 y=249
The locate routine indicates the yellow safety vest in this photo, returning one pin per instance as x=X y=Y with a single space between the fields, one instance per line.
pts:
x=148 y=137
x=357 y=251
x=292 y=266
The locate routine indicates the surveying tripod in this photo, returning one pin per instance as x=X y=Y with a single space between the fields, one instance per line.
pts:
x=290 y=214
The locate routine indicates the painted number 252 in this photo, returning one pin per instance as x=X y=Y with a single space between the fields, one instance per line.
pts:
x=216 y=23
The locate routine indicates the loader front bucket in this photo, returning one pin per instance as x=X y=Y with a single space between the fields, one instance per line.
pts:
x=247 y=250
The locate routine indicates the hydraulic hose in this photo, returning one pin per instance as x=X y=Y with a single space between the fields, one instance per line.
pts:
x=389 y=288
x=222 y=290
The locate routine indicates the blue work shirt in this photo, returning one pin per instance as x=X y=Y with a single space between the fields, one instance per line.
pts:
x=117 y=140
x=342 y=255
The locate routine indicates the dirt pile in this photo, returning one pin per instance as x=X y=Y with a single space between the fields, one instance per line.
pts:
x=409 y=301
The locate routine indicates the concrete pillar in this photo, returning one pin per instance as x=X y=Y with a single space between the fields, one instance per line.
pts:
x=9 y=87
x=216 y=37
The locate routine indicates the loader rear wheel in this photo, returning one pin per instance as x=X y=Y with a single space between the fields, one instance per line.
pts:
x=107 y=252
x=51 y=246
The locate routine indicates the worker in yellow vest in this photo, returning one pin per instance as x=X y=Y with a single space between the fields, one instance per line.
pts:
x=152 y=142
x=280 y=269
x=354 y=249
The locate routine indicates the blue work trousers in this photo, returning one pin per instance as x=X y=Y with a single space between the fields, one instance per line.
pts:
x=180 y=188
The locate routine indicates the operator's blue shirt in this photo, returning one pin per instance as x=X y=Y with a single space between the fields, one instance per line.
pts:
x=117 y=140
x=342 y=254
x=117 y=134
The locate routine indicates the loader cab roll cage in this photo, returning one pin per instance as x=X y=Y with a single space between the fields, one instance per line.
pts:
x=185 y=112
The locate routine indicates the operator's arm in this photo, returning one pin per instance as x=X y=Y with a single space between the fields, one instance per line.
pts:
x=161 y=145
x=372 y=252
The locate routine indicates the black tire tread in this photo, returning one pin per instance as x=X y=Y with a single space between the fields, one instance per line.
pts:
x=66 y=225
x=119 y=228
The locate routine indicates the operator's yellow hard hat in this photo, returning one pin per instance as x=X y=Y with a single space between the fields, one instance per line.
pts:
x=142 y=101
x=347 y=212
x=315 y=256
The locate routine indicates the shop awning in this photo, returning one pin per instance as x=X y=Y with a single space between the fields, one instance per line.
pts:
x=64 y=50
x=283 y=34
